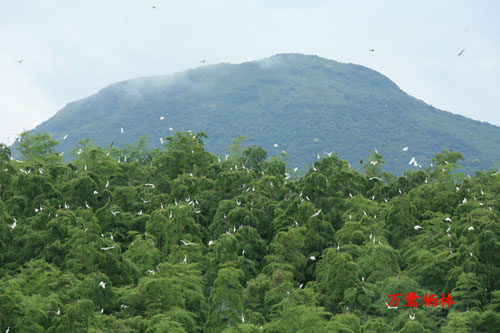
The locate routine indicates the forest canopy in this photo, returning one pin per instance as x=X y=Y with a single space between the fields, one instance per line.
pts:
x=178 y=239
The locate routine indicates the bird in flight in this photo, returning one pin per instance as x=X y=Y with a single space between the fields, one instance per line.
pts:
x=405 y=149
x=372 y=50
x=460 y=53
x=186 y=243
x=107 y=248
x=20 y=61
x=102 y=284
x=202 y=62
x=316 y=214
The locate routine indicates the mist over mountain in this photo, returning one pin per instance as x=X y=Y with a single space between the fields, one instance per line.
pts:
x=304 y=104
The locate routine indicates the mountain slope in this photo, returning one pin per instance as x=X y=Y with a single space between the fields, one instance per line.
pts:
x=305 y=104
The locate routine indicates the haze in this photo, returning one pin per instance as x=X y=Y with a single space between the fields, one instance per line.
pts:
x=71 y=49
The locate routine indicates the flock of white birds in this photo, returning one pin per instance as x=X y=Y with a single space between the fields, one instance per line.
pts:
x=193 y=203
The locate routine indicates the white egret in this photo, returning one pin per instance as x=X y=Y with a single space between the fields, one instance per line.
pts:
x=316 y=214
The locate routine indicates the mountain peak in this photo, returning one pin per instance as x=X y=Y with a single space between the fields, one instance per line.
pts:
x=305 y=103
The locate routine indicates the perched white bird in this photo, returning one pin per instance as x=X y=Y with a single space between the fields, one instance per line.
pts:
x=417 y=227
x=87 y=205
x=363 y=278
x=448 y=230
x=210 y=243
x=107 y=184
x=390 y=307
x=316 y=214
x=13 y=225
x=373 y=162
x=124 y=306
x=465 y=200
x=96 y=193
x=364 y=213
x=313 y=258
x=412 y=317
x=470 y=228
x=150 y=185
x=242 y=318
x=102 y=310
x=150 y=271
x=185 y=259
x=238 y=202
x=145 y=201
x=186 y=243
x=301 y=285
x=140 y=213
x=121 y=130
x=170 y=215
x=338 y=246
x=405 y=149
x=107 y=248
x=102 y=284
x=447 y=219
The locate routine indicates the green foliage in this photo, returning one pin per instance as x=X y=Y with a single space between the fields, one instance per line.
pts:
x=174 y=240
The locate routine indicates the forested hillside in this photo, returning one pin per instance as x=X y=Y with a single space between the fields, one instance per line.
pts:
x=177 y=239
x=302 y=104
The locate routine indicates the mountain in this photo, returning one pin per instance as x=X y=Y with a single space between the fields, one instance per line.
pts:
x=305 y=104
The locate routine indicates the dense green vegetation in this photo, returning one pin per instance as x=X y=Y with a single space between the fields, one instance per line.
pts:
x=305 y=104
x=177 y=239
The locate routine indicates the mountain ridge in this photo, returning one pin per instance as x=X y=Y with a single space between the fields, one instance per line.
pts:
x=306 y=104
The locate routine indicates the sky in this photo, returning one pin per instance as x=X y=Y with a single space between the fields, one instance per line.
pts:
x=71 y=49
